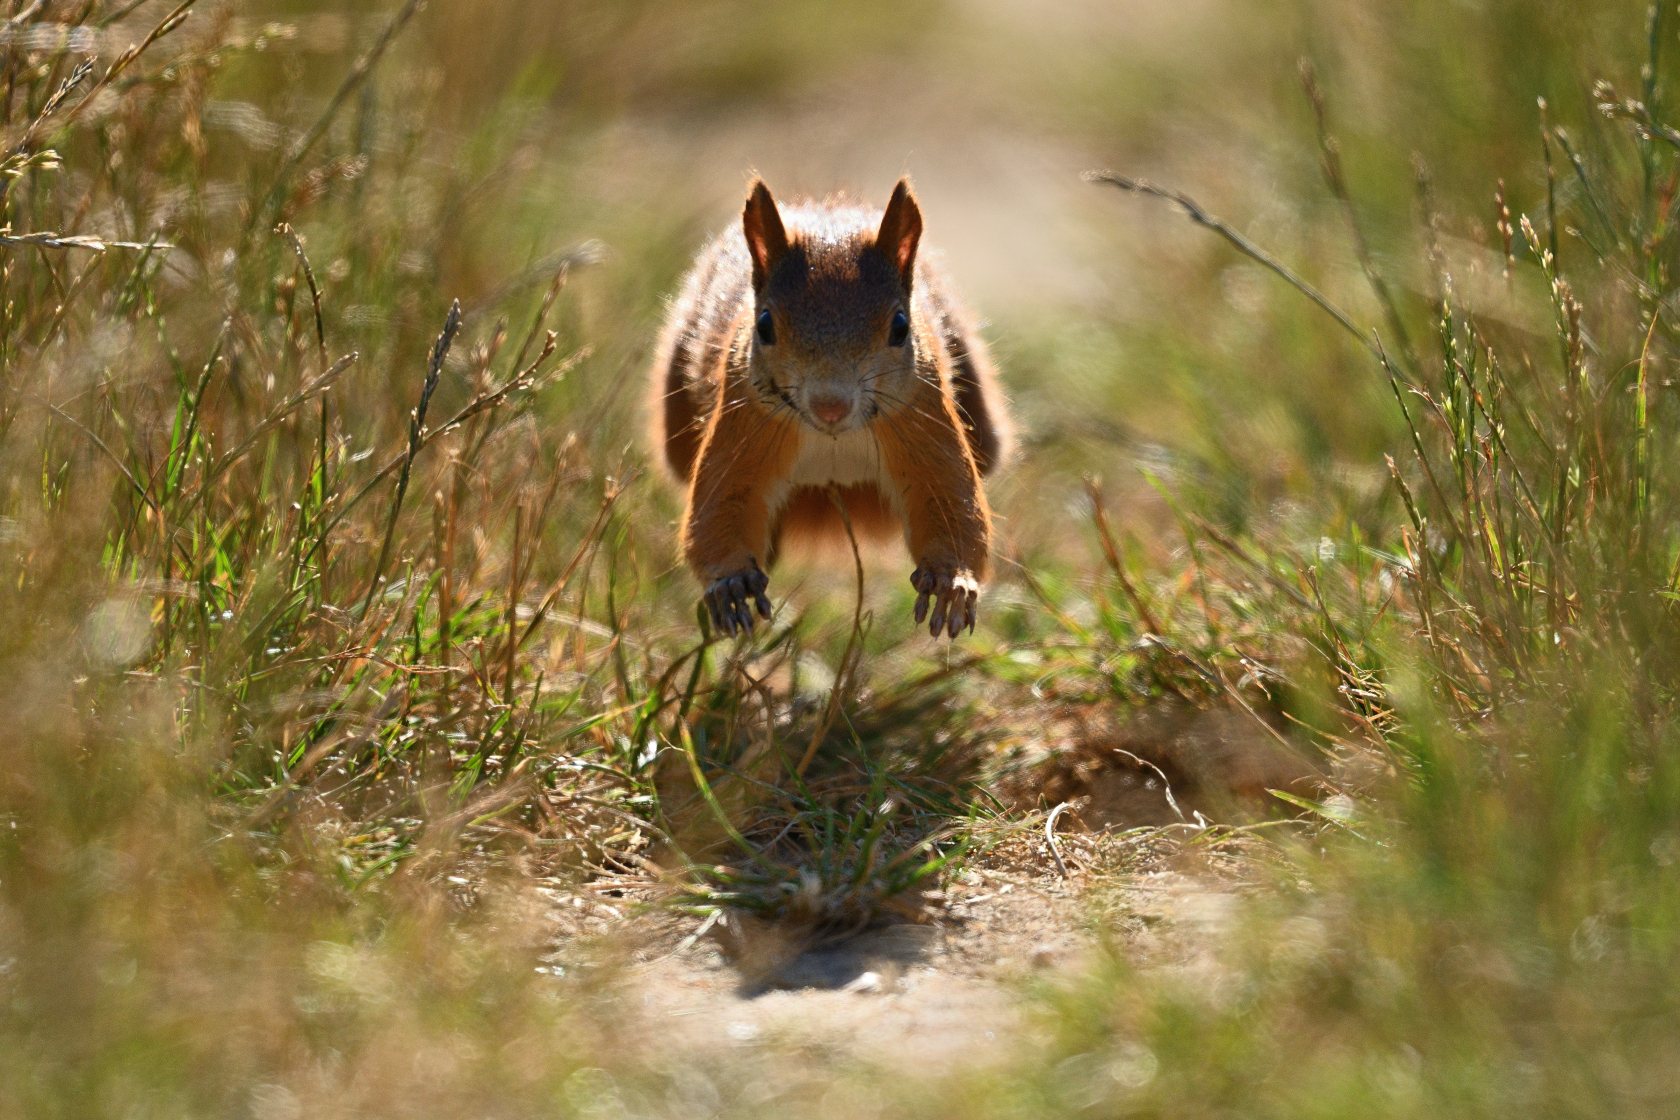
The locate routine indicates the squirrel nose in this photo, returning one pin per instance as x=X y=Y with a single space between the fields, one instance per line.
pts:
x=830 y=410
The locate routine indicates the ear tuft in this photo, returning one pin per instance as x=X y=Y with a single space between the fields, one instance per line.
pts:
x=901 y=231
x=762 y=224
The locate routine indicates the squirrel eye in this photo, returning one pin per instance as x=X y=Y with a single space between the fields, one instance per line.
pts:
x=900 y=329
x=766 y=328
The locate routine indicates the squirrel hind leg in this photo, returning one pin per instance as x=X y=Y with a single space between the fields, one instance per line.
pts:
x=974 y=384
x=679 y=423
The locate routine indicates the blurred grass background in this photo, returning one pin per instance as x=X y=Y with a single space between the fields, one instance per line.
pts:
x=287 y=750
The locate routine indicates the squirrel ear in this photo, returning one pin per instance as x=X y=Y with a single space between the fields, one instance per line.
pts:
x=762 y=223
x=901 y=230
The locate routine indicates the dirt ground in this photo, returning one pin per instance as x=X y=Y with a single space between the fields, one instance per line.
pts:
x=915 y=999
x=903 y=999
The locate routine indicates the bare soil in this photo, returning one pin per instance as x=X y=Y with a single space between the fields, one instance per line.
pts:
x=912 y=999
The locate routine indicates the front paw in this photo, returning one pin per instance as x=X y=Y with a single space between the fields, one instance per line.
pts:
x=732 y=598
x=953 y=592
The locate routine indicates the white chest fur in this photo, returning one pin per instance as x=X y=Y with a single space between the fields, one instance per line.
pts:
x=850 y=459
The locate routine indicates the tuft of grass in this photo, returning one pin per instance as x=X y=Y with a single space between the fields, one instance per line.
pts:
x=381 y=591
x=1476 y=930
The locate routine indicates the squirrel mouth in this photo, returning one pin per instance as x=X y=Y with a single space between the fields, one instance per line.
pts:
x=831 y=412
x=835 y=428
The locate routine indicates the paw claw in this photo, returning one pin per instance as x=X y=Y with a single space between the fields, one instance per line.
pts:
x=951 y=592
x=731 y=600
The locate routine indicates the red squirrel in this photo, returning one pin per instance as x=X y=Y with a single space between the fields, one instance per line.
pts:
x=813 y=354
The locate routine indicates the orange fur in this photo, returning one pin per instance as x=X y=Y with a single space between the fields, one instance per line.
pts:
x=810 y=522
x=782 y=372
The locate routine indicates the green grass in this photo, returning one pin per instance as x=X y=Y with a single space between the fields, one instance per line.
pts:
x=341 y=600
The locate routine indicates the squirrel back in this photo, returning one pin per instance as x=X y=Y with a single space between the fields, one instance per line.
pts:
x=818 y=351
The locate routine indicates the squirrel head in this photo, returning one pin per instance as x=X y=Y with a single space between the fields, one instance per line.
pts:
x=834 y=333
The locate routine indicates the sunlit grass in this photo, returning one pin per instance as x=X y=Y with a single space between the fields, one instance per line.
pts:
x=342 y=609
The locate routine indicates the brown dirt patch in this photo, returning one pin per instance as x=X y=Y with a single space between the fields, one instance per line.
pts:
x=1162 y=764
